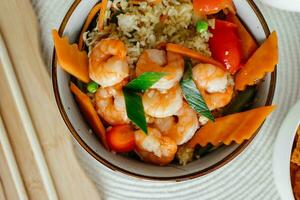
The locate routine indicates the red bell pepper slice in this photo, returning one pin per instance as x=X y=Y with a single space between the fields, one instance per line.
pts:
x=225 y=45
x=208 y=7
x=248 y=43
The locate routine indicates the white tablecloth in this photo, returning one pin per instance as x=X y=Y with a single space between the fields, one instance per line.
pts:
x=247 y=177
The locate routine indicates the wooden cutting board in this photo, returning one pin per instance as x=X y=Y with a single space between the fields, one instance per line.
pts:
x=19 y=28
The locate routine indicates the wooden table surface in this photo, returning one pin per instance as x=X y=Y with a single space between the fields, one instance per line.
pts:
x=19 y=28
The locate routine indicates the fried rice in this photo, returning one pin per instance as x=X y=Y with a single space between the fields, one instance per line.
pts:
x=146 y=26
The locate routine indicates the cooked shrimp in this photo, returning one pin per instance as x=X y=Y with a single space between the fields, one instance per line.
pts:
x=181 y=127
x=110 y=105
x=154 y=147
x=107 y=62
x=162 y=104
x=215 y=85
x=154 y=60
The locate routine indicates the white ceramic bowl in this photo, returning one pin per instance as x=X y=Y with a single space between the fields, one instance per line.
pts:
x=70 y=112
x=282 y=152
x=291 y=5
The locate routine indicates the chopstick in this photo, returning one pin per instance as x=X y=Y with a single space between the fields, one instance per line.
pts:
x=11 y=162
x=26 y=121
x=2 y=192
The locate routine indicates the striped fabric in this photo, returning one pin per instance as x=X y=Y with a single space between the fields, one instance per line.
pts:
x=247 y=177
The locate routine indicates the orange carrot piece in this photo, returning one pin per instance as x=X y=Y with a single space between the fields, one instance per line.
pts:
x=177 y=48
x=102 y=14
x=231 y=128
x=248 y=43
x=262 y=61
x=89 y=113
x=208 y=7
x=72 y=60
x=88 y=21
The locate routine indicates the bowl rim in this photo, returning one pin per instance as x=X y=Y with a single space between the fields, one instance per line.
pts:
x=280 y=163
x=291 y=5
x=115 y=168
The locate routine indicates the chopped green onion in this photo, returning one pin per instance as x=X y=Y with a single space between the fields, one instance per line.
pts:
x=133 y=101
x=201 y=26
x=192 y=94
x=92 y=87
x=144 y=81
x=135 y=109
x=241 y=101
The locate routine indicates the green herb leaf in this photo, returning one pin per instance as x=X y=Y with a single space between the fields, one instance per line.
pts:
x=241 y=101
x=144 y=81
x=133 y=101
x=135 y=109
x=192 y=94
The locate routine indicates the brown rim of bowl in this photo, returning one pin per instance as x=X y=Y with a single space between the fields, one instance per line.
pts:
x=203 y=172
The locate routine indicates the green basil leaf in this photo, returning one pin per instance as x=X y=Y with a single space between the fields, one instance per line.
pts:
x=192 y=94
x=144 y=81
x=135 y=109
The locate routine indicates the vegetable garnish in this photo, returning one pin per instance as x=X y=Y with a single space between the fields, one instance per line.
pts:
x=133 y=101
x=201 y=26
x=70 y=58
x=236 y=128
x=208 y=7
x=263 y=60
x=249 y=45
x=144 y=81
x=225 y=45
x=177 y=48
x=90 y=113
x=135 y=109
x=241 y=101
x=92 y=87
x=120 y=138
x=192 y=94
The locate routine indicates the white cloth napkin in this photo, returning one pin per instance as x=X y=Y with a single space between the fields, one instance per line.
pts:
x=247 y=177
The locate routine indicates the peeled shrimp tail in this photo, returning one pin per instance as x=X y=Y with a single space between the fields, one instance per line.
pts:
x=107 y=62
x=215 y=85
x=155 y=148
x=154 y=60
x=110 y=105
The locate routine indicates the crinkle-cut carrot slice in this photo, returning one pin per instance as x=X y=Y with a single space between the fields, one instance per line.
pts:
x=262 y=61
x=102 y=14
x=96 y=9
x=231 y=128
x=177 y=48
x=70 y=58
x=89 y=113
x=248 y=43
